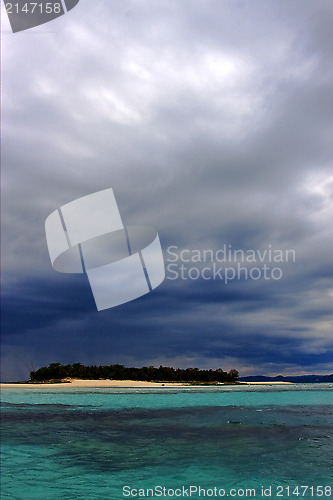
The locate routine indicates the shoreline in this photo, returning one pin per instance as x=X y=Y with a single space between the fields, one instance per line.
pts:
x=76 y=383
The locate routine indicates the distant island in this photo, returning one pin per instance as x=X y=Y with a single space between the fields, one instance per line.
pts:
x=296 y=379
x=57 y=372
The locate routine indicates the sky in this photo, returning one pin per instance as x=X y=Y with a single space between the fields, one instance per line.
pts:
x=212 y=122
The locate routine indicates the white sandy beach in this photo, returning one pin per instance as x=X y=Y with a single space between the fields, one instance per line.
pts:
x=70 y=383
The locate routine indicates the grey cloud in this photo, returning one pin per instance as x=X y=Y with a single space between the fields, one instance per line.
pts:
x=211 y=122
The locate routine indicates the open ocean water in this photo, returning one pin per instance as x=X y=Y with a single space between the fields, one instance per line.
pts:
x=236 y=442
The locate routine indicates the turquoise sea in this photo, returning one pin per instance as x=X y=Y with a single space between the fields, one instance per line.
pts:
x=188 y=442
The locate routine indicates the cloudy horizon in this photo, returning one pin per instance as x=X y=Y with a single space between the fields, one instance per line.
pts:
x=211 y=120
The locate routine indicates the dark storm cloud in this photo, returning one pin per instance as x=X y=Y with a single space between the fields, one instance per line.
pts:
x=211 y=122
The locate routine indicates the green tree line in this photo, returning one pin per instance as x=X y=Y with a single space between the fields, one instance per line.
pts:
x=120 y=372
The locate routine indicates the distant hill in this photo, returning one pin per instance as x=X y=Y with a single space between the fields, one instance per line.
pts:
x=301 y=379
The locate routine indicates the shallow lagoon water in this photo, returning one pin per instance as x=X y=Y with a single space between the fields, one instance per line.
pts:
x=89 y=443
